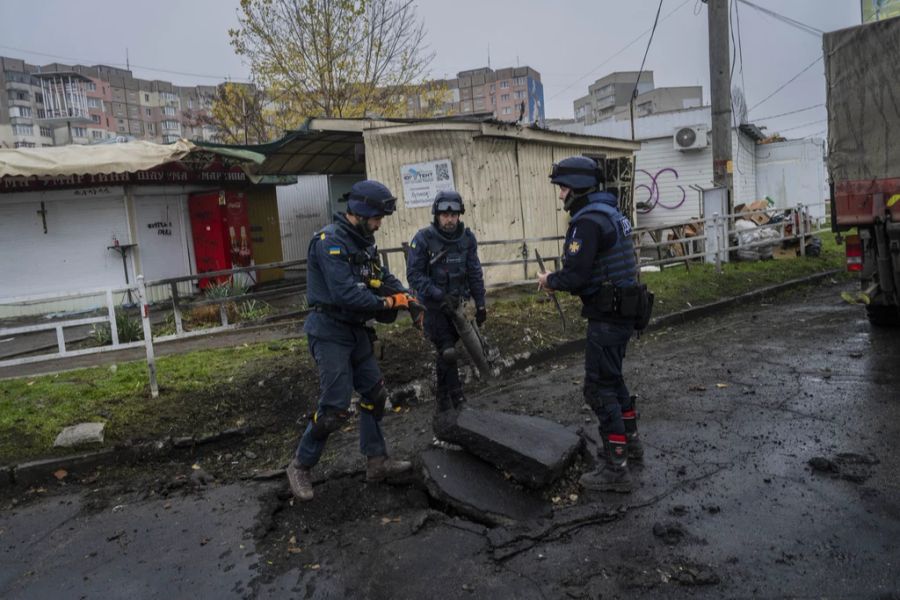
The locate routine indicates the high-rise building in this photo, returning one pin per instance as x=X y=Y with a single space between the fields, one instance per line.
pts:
x=610 y=97
x=56 y=104
x=509 y=94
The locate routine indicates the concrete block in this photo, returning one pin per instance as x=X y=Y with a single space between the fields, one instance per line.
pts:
x=83 y=433
x=477 y=490
x=534 y=451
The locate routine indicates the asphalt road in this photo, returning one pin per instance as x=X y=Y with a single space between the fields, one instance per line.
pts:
x=727 y=505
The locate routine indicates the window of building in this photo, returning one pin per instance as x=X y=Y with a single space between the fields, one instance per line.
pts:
x=46 y=132
x=190 y=103
x=24 y=145
x=507 y=110
x=146 y=97
x=90 y=86
x=149 y=112
x=95 y=119
x=39 y=97
x=504 y=98
x=492 y=88
x=94 y=103
x=521 y=80
x=97 y=135
x=169 y=111
x=20 y=111
x=79 y=132
x=504 y=85
x=19 y=129
x=520 y=94
x=151 y=128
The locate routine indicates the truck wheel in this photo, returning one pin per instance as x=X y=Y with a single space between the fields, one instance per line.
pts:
x=883 y=316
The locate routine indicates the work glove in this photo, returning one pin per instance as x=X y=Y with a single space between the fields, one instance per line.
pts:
x=480 y=315
x=449 y=304
x=397 y=301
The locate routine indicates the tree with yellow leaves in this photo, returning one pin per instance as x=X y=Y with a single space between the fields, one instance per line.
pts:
x=333 y=58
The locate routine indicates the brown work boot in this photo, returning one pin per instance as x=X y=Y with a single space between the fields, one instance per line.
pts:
x=379 y=468
x=300 y=481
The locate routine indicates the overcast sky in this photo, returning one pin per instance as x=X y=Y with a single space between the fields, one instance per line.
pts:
x=570 y=42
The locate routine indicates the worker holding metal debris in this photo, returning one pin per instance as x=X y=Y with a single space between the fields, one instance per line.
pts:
x=444 y=269
x=599 y=266
x=344 y=290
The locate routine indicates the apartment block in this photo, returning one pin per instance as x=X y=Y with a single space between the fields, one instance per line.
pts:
x=610 y=97
x=58 y=104
x=509 y=94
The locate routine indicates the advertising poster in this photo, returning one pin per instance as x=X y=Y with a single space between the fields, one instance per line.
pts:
x=421 y=181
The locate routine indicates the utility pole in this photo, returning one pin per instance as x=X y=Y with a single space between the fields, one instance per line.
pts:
x=720 y=95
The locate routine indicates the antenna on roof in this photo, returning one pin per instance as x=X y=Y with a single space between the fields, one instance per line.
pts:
x=127 y=62
x=489 y=56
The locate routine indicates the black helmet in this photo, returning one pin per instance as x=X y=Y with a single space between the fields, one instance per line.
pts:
x=576 y=173
x=370 y=198
x=447 y=201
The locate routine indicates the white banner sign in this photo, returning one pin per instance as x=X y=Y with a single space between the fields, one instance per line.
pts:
x=422 y=181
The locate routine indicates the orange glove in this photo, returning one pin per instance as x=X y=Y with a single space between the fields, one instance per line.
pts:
x=399 y=300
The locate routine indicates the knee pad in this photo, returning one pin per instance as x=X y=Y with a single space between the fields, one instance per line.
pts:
x=449 y=356
x=326 y=422
x=374 y=401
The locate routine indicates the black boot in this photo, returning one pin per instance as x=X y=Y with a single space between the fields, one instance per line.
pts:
x=612 y=474
x=635 y=447
x=457 y=399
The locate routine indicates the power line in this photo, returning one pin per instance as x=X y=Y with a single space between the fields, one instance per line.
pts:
x=646 y=50
x=626 y=47
x=803 y=125
x=787 y=20
x=118 y=64
x=792 y=112
x=786 y=83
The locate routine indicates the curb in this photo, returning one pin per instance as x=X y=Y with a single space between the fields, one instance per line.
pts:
x=679 y=317
x=33 y=472
x=38 y=471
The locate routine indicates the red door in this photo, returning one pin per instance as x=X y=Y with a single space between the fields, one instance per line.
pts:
x=211 y=244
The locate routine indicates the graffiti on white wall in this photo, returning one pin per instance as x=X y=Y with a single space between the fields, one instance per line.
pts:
x=651 y=196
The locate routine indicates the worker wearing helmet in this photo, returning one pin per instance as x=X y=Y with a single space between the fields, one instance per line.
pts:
x=342 y=264
x=444 y=269
x=599 y=266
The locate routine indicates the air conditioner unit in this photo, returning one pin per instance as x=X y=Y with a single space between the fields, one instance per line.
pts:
x=690 y=138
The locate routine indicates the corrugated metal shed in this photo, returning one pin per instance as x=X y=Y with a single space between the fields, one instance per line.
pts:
x=500 y=170
x=501 y=173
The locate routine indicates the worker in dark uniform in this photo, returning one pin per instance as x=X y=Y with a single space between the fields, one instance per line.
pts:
x=342 y=272
x=599 y=266
x=444 y=269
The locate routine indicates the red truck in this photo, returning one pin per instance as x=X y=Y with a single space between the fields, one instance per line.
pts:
x=862 y=71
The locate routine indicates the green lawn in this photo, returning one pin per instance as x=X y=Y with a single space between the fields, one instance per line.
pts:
x=207 y=390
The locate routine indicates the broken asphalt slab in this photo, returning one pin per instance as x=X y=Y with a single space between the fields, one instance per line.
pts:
x=534 y=451
x=475 y=489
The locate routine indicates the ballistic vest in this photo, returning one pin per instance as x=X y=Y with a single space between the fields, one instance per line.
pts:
x=449 y=272
x=364 y=264
x=615 y=265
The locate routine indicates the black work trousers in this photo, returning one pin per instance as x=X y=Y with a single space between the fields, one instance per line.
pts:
x=604 y=386
x=440 y=330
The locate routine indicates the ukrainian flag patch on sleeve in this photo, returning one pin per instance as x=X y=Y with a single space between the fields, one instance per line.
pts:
x=334 y=250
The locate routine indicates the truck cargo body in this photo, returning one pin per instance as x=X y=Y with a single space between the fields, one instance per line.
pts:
x=862 y=71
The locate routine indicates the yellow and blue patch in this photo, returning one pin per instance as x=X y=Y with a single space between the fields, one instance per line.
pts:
x=573 y=247
x=334 y=250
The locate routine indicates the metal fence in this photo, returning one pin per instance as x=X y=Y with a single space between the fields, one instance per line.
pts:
x=712 y=240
